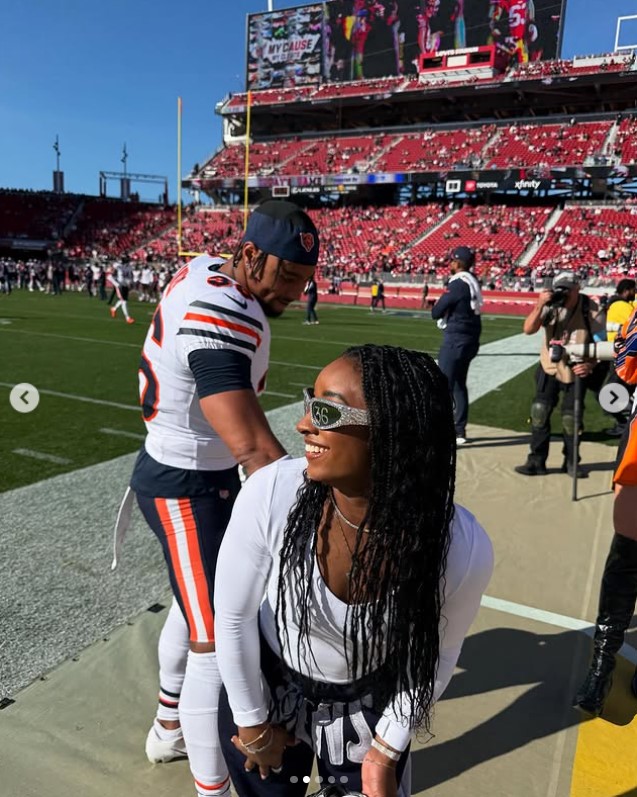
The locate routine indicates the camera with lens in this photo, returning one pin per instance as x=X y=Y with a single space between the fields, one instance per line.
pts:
x=559 y=297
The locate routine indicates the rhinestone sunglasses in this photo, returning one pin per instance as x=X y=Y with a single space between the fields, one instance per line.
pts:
x=326 y=414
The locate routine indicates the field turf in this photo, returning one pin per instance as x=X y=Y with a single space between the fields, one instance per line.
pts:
x=70 y=345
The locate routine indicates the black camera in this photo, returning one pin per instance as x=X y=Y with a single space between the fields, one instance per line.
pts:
x=559 y=296
x=556 y=351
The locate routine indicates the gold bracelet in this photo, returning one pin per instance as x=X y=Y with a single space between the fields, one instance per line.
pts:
x=251 y=750
x=380 y=763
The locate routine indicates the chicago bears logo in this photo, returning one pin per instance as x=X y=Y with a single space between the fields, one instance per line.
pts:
x=307 y=241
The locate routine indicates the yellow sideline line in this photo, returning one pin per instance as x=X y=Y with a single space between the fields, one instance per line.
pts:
x=605 y=762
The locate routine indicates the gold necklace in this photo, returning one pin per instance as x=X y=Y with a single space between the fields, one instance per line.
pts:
x=347 y=545
x=342 y=517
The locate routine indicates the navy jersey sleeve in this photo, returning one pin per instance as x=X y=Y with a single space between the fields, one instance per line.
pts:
x=449 y=299
x=219 y=370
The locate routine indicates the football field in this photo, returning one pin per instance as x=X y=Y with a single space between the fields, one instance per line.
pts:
x=84 y=364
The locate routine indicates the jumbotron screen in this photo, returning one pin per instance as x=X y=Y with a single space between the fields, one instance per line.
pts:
x=343 y=40
x=285 y=48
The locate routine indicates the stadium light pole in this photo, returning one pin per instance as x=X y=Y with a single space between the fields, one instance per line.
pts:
x=56 y=147
x=270 y=5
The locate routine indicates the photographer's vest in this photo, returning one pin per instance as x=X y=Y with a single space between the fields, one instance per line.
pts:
x=567 y=326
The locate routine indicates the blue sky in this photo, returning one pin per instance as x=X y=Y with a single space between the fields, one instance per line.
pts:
x=103 y=73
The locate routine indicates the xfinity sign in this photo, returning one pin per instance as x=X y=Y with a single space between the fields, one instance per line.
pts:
x=532 y=184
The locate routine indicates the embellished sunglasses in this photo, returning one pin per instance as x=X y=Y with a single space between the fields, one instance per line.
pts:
x=326 y=414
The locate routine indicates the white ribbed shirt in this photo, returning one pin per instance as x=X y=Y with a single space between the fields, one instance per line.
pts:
x=246 y=593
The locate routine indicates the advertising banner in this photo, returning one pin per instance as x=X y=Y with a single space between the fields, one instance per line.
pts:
x=285 y=48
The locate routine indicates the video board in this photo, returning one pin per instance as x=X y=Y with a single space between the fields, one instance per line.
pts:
x=366 y=39
x=344 y=40
x=285 y=48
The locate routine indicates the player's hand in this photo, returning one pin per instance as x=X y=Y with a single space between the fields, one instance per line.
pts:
x=378 y=775
x=269 y=759
x=544 y=298
x=583 y=369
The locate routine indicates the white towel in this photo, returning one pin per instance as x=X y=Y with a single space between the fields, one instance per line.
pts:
x=476 y=295
x=474 y=286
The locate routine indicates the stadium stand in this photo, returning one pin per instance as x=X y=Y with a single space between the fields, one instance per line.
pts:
x=533 y=70
x=111 y=227
x=498 y=234
x=600 y=240
x=390 y=182
x=35 y=214
x=626 y=141
x=214 y=232
x=565 y=144
x=553 y=145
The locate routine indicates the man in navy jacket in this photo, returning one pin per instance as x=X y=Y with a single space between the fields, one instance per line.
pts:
x=458 y=315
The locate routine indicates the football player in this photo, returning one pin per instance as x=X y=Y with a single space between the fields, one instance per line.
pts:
x=428 y=40
x=512 y=26
x=204 y=362
x=122 y=282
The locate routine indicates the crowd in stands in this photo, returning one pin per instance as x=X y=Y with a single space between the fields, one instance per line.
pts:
x=434 y=150
x=625 y=145
x=35 y=214
x=552 y=145
x=203 y=230
x=111 y=227
x=571 y=143
x=599 y=240
x=364 y=240
x=533 y=70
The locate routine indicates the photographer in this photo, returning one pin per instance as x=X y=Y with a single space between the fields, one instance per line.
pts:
x=567 y=317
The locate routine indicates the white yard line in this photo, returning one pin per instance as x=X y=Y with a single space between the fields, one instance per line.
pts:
x=550 y=618
x=296 y=365
x=27 y=452
x=72 y=337
x=86 y=399
x=122 y=433
x=281 y=395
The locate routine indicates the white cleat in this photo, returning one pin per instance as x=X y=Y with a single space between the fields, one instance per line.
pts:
x=159 y=751
x=460 y=441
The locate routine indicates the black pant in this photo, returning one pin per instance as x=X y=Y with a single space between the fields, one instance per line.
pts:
x=311 y=312
x=454 y=359
x=547 y=394
x=338 y=728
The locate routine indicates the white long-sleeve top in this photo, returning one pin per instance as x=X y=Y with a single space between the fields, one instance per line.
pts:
x=246 y=594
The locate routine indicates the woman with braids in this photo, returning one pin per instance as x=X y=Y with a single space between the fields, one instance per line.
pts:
x=346 y=583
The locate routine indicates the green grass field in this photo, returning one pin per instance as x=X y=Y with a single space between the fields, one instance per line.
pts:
x=70 y=345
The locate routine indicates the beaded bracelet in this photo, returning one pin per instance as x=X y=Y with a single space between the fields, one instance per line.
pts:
x=382 y=748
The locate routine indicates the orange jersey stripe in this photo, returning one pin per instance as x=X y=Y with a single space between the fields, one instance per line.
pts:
x=164 y=515
x=214 y=787
x=626 y=471
x=198 y=572
x=221 y=322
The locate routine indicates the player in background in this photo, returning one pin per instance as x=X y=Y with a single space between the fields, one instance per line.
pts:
x=122 y=283
x=428 y=40
x=204 y=362
x=513 y=29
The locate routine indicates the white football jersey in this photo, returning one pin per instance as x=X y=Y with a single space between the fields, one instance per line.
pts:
x=200 y=309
